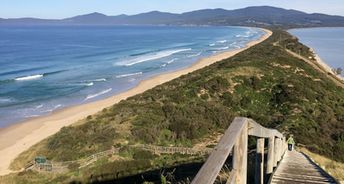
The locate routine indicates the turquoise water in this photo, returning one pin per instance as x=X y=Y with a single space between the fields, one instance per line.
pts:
x=43 y=69
x=328 y=43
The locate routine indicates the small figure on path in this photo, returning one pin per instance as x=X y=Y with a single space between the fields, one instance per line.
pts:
x=291 y=143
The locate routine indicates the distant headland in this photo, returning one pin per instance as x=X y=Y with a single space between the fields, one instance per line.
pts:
x=262 y=16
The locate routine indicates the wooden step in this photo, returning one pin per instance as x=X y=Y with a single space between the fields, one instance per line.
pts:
x=297 y=168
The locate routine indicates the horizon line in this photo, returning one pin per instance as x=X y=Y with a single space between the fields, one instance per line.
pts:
x=123 y=14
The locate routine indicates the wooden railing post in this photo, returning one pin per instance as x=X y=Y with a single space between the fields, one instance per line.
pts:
x=276 y=148
x=285 y=146
x=236 y=139
x=240 y=157
x=259 y=166
x=270 y=161
x=280 y=152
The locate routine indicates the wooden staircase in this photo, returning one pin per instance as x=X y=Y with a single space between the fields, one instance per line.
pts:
x=295 y=167
x=281 y=166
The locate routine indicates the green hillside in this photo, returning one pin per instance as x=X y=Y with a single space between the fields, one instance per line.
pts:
x=264 y=83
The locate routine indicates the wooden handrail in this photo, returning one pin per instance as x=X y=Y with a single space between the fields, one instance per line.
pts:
x=236 y=138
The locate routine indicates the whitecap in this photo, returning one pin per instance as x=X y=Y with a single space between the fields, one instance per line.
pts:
x=30 y=77
x=212 y=44
x=98 y=80
x=98 y=94
x=57 y=106
x=5 y=100
x=194 y=55
x=31 y=116
x=89 y=84
x=128 y=75
x=172 y=60
x=222 y=48
x=222 y=41
x=150 y=57
x=39 y=106
x=54 y=108
x=84 y=84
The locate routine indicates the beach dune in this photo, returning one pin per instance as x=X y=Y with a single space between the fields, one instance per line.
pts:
x=21 y=136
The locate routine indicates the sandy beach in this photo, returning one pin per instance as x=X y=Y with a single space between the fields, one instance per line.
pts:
x=21 y=136
x=325 y=66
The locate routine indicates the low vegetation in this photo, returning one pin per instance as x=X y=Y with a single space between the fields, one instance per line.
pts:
x=264 y=83
x=336 y=169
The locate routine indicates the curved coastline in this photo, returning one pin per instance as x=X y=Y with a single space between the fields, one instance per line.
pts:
x=19 y=137
x=325 y=66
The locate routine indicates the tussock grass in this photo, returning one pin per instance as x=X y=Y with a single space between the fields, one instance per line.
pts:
x=335 y=169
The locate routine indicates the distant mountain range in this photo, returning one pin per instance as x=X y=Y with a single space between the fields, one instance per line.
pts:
x=263 y=16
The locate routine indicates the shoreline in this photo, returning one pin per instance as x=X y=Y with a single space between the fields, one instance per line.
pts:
x=21 y=136
x=318 y=60
x=326 y=66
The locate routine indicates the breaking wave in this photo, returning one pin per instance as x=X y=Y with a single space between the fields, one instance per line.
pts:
x=194 y=55
x=98 y=94
x=222 y=41
x=221 y=48
x=99 y=80
x=153 y=56
x=6 y=100
x=29 y=77
x=54 y=108
x=128 y=75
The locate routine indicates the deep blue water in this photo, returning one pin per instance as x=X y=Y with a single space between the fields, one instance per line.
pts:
x=43 y=69
x=327 y=42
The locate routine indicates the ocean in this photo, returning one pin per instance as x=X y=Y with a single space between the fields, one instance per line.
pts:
x=328 y=43
x=47 y=68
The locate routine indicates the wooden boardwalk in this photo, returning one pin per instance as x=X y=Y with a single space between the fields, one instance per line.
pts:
x=295 y=167
x=291 y=167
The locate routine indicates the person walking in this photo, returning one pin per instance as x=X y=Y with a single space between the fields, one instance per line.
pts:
x=291 y=143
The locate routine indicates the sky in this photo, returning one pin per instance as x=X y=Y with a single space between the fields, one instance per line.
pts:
x=57 y=9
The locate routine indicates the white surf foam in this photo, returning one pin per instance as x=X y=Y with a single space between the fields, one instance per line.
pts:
x=30 y=77
x=31 y=116
x=5 y=100
x=54 y=108
x=172 y=60
x=98 y=80
x=98 y=94
x=235 y=45
x=194 y=55
x=222 y=48
x=154 y=56
x=246 y=35
x=222 y=41
x=212 y=44
x=89 y=84
x=128 y=75
x=39 y=106
x=169 y=62
x=84 y=84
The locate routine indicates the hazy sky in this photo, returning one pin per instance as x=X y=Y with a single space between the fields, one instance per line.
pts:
x=67 y=8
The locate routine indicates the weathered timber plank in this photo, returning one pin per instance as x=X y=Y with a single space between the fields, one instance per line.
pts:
x=217 y=158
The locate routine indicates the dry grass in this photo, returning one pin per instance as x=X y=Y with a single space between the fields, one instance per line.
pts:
x=336 y=169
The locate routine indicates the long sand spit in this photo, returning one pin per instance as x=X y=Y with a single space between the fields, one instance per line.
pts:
x=21 y=136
